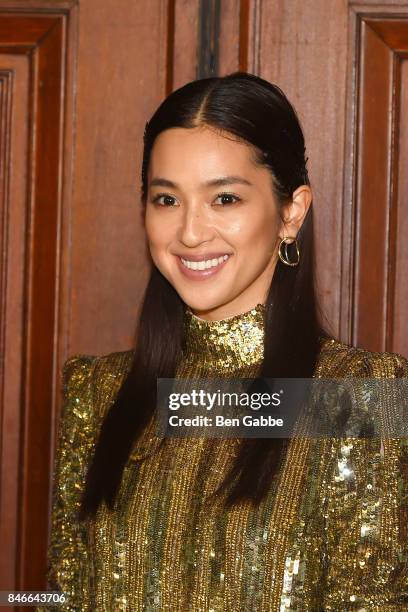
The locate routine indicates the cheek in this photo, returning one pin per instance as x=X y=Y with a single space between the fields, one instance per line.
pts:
x=257 y=233
x=155 y=230
x=149 y=226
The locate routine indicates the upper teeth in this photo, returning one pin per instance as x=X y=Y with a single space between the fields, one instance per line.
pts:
x=204 y=263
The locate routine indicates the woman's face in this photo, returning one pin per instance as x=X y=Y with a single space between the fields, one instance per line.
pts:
x=212 y=221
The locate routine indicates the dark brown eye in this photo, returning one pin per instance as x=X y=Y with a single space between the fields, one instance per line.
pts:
x=227 y=198
x=163 y=199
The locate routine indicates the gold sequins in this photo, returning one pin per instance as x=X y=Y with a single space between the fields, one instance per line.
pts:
x=327 y=536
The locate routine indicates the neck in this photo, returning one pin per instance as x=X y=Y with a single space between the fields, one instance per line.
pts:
x=225 y=345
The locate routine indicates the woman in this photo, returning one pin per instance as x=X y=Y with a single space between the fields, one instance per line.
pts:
x=144 y=522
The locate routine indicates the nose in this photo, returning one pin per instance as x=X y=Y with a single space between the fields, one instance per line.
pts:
x=195 y=226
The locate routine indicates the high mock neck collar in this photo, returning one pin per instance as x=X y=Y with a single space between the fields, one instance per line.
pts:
x=227 y=344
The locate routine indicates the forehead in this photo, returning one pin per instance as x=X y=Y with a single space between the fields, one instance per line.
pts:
x=200 y=152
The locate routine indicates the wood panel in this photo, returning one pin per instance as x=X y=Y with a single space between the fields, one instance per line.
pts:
x=373 y=189
x=182 y=61
x=399 y=320
x=33 y=49
x=379 y=284
x=14 y=72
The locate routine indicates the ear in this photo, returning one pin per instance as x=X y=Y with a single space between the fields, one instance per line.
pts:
x=294 y=212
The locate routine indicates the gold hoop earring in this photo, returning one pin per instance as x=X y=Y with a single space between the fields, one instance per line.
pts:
x=285 y=258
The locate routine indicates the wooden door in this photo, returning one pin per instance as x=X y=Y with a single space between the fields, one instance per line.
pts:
x=78 y=80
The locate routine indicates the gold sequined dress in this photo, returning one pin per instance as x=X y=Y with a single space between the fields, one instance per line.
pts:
x=318 y=541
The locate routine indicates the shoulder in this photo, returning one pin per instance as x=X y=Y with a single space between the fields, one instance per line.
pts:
x=117 y=363
x=374 y=402
x=90 y=383
x=112 y=363
x=82 y=368
x=338 y=359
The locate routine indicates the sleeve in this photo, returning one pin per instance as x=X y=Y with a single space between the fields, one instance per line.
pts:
x=68 y=564
x=366 y=512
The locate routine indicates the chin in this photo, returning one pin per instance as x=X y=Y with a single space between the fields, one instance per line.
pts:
x=203 y=303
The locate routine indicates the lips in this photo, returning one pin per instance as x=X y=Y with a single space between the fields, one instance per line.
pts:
x=200 y=267
x=204 y=264
x=202 y=256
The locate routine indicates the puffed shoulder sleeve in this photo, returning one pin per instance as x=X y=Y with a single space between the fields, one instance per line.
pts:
x=366 y=514
x=68 y=565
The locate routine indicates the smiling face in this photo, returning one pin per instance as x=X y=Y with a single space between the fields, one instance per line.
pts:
x=212 y=221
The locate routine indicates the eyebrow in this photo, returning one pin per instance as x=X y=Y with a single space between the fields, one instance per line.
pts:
x=216 y=182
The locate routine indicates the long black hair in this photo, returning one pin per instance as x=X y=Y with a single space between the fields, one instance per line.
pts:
x=258 y=113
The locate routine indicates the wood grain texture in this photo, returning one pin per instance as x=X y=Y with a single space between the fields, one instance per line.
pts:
x=229 y=43
x=42 y=249
x=373 y=180
x=184 y=61
x=378 y=278
x=400 y=319
x=12 y=207
x=208 y=33
x=35 y=138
